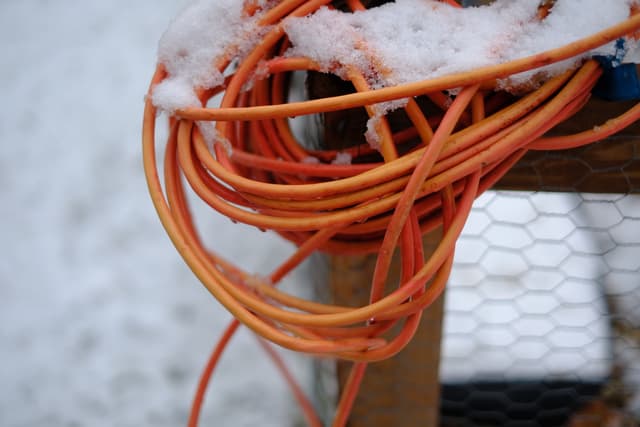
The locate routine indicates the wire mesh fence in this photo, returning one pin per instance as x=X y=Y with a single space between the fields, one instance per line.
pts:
x=541 y=309
x=541 y=325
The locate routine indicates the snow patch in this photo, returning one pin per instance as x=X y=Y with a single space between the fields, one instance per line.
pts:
x=342 y=158
x=311 y=160
x=204 y=35
x=412 y=40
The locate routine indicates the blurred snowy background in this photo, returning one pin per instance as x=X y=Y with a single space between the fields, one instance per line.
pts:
x=102 y=323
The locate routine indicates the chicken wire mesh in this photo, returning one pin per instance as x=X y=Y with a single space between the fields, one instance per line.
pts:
x=541 y=310
x=541 y=324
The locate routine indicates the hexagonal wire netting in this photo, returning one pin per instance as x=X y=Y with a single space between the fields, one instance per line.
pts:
x=541 y=311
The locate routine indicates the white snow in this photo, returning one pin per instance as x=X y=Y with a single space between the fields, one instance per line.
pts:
x=411 y=40
x=175 y=93
x=342 y=158
x=399 y=42
x=102 y=323
x=204 y=32
x=311 y=160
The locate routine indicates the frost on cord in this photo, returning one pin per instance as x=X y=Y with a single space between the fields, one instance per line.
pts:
x=256 y=280
x=342 y=158
x=396 y=43
x=206 y=32
x=372 y=134
x=311 y=160
x=412 y=40
x=212 y=137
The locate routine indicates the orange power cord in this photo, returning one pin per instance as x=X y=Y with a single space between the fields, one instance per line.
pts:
x=258 y=173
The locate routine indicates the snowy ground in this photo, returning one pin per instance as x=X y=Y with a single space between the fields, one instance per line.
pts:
x=103 y=324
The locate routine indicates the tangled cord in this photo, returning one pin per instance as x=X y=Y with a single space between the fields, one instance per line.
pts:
x=259 y=174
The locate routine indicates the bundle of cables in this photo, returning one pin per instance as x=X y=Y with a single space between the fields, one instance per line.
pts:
x=460 y=133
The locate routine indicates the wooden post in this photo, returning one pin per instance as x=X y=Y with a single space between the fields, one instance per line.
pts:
x=609 y=166
x=404 y=390
x=401 y=391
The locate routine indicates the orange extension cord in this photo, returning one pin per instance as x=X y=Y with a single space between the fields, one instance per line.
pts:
x=259 y=176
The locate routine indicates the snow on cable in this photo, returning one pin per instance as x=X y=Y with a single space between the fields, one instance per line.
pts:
x=396 y=43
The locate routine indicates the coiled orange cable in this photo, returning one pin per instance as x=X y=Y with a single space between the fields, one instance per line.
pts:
x=258 y=173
